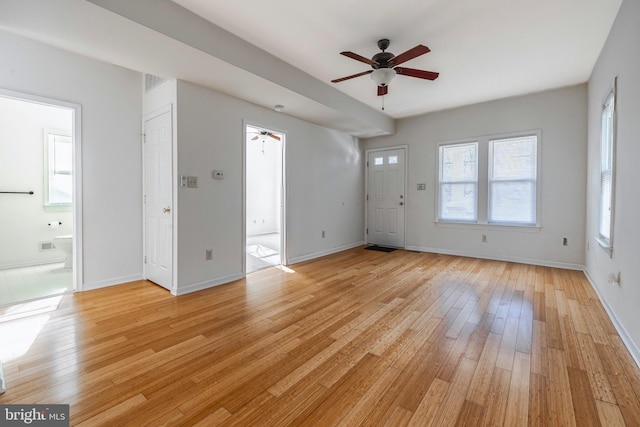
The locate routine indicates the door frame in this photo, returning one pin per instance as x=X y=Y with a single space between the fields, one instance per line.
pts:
x=174 y=181
x=76 y=141
x=283 y=193
x=366 y=188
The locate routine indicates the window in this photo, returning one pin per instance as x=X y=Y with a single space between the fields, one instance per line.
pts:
x=58 y=165
x=607 y=169
x=490 y=180
x=458 y=182
x=512 y=180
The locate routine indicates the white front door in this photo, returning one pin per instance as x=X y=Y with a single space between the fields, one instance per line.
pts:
x=158 y=198
x=386 y=197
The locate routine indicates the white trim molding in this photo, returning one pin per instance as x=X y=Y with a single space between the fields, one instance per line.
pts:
x=542 y=263
x=624 y=335
x=296 y=260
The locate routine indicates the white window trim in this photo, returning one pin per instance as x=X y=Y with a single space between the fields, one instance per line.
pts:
x=482 y=201
x=607 y=244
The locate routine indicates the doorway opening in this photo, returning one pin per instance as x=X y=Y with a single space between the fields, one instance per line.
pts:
x=38 y=197
x=264 y=198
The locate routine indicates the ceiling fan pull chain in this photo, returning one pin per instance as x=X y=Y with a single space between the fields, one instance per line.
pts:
x=382 y=102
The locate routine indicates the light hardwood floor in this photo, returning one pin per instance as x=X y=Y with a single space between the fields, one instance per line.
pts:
x=355 y=338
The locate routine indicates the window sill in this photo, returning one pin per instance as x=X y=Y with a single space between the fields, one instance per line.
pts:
x=497 y=227
x=58 y=208
x=605 y=245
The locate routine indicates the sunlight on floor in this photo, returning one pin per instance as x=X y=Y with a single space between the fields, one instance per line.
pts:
x=21 y=324
x=285 y=269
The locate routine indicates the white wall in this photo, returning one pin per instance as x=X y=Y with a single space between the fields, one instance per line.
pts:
x=561 y=116
x=111 y=101
x=620 y=57
x=324 y=186
x=25 y=219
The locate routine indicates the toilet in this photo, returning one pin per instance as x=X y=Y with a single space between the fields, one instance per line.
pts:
x=65 y=244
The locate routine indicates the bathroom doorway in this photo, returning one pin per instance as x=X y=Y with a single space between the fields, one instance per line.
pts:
x=264 y=198
x=39 y=152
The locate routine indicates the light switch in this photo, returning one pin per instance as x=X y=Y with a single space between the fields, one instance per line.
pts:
x=422 y=187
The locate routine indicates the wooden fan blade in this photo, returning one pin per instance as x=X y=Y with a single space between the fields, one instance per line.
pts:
x=383 y=90
x=255 y=137
x=351 y=77
x=410 y=54
x=359 y=58
x=421 y=74
x=276 y=137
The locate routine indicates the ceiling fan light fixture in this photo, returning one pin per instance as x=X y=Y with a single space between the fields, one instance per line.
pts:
x=383 y=76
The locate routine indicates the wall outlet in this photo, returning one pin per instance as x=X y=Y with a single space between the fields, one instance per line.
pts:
x=484 y=238
x=208 y=254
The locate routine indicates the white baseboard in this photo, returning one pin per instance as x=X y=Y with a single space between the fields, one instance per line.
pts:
x=624 y=335
x=314 y=255
x=110 y=282
x=194 y=287
x=32 y=263
x=543 y=263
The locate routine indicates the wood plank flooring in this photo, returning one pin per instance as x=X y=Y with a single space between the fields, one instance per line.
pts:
x=356 y=338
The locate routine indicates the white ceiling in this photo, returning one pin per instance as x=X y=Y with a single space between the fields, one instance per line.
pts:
x=484 y=50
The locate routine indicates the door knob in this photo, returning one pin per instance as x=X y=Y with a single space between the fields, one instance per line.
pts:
x=166 y=210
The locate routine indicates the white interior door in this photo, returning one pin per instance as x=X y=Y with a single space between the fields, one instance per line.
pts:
x=386 y=197
x=158 y=200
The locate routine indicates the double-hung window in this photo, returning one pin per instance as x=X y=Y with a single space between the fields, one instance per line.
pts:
x=512 y=180
x=607 y=169
x=490 y=180
x=58 y=165
x=458 y=182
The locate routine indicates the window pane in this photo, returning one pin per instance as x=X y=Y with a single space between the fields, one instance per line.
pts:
x=606 y=170
x=513 y=202
x=393 y=160
x=62 y=157
x=60 y=189
x=458 y=202
x=514 y=158
x=378 y=161
x=458 y=162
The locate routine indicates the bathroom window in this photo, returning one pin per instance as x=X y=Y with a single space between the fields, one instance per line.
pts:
x=58 y=169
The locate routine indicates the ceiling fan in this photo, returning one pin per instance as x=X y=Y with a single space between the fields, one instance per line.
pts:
x=385 y=66
x=262 y=135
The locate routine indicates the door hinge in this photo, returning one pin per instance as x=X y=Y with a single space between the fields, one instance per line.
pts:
x=367 y=197
x=367 y=231
x=367 y=163
x=145 y=259
x=144 y=199
x=144 y=137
